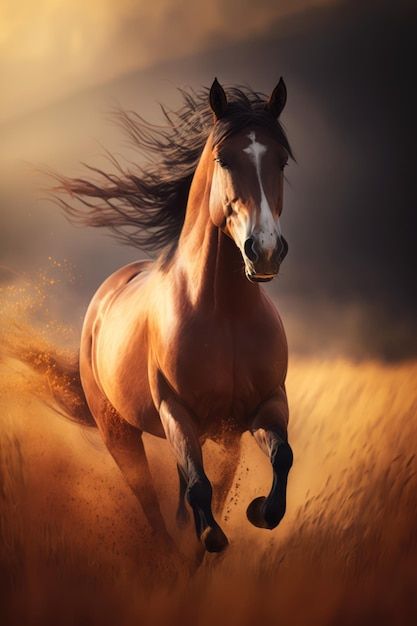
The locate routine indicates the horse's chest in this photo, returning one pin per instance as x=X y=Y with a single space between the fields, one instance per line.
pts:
x=223 y=370
x=200 y=359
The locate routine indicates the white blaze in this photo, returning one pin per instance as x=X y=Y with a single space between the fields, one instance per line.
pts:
x=269 y=229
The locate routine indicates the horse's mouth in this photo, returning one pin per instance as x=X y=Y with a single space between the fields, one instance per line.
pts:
x=260 y=278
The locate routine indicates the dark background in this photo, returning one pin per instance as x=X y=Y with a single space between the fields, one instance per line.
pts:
x=348 y=286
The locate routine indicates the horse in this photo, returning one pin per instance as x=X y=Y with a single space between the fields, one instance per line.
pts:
x=189 y=347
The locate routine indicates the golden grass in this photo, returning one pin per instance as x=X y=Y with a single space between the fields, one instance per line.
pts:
x=75 y=549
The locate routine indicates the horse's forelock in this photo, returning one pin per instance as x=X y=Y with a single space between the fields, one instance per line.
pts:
x=243 y=115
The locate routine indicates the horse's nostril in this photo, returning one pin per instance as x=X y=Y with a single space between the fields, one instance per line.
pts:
x=250 y=249
x=284 y=249
x=280 y=251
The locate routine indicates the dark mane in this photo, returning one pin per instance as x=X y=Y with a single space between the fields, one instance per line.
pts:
x=145 y=205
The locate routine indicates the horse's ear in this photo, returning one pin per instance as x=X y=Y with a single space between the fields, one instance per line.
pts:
x=218 y=100
x=278 y=98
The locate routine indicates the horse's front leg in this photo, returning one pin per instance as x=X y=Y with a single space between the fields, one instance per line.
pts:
x=181 y=434
x=270 y=431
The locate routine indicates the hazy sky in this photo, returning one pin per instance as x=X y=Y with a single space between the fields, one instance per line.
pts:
x=50 y=48
x=350 y=212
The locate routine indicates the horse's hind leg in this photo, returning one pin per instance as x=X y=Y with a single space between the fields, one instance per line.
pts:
x=125 y=444
x=180 y=432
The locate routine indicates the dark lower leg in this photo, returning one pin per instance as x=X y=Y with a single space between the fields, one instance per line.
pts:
x=268 y=512
x=199 y=496
x=269 y=430
x=180 y=432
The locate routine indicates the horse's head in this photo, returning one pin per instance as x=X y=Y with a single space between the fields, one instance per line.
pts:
x=250 y=151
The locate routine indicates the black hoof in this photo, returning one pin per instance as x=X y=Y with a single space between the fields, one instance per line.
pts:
x=214 y=539
x=254 y=513
x=263 y=516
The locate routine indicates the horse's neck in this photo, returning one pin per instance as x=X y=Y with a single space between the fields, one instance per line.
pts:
x=210 y=261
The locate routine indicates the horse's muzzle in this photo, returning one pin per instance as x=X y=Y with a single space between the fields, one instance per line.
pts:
x=263 y=267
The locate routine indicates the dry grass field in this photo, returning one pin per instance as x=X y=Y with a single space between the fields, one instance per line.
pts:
x=75 y=550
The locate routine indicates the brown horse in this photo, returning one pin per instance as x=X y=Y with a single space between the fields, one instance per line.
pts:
x=190 y=347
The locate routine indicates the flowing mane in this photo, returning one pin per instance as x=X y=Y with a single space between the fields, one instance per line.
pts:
x=144 y=205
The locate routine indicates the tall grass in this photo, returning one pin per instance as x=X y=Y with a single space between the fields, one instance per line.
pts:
x=76 y=550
